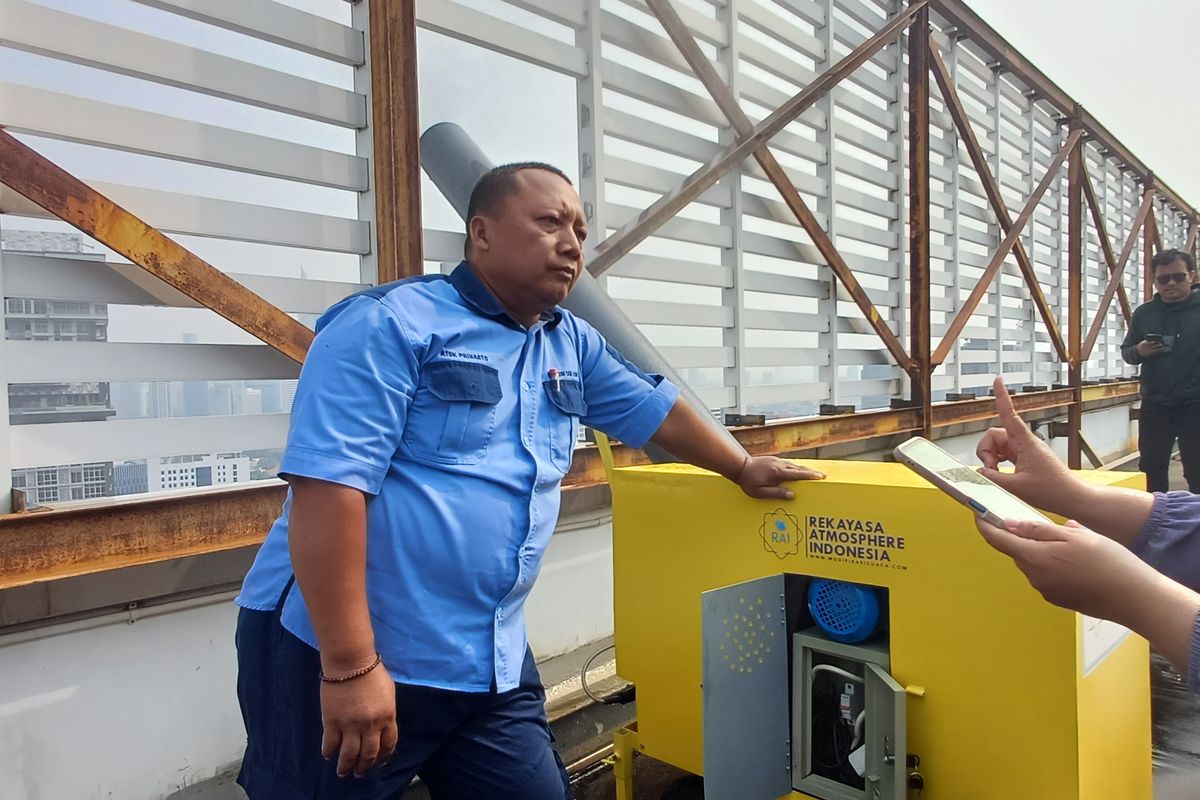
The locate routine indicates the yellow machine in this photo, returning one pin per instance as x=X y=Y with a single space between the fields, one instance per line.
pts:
x=974 y=688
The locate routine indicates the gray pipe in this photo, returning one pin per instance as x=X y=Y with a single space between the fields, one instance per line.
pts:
x=455 y=164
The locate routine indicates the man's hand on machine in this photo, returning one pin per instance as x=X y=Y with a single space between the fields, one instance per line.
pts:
x=762 y=476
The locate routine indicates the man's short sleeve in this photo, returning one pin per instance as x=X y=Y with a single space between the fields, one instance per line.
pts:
x=622 y=400
x=353 y=398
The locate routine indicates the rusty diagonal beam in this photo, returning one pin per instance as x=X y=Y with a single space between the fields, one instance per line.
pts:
x=636 y=231
x=71 y=200
x=1110 y=258
x=993 y=267
x=1152 y=227
x=1144 y=213
x=743 y=127
x=1190 y=247
x=992 y=189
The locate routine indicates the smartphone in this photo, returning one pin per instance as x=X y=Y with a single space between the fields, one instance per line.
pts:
x=963 y=483
x=1153 y=338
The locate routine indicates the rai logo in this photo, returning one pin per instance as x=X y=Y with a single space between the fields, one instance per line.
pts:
x=780 y=533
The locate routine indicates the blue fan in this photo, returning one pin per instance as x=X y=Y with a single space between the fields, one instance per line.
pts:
x=846 y=612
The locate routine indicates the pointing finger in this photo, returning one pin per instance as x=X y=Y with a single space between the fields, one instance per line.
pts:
x=1008 y=414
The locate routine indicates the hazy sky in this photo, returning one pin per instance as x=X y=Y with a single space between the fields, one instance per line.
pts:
x=1132 y=65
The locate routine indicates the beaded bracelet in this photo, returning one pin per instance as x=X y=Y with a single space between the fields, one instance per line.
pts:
x=357 y=674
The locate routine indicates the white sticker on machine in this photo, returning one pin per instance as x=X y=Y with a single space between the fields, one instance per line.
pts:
x=1100 y=638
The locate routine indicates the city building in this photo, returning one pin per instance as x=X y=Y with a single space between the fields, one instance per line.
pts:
x=34 y=403
x=130 y=477
x=65 y=482
x=204 y=469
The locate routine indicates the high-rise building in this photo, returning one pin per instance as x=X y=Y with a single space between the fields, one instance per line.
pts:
x=251 y=401
x=33 y=403
x=33 y=319
x=203 y=469
x=289 y=395
x=194 y=397
x=272 y=395
x=44 y=320
x=71 y=245
x=65 y=482
x=220 y=398
x=130 y=477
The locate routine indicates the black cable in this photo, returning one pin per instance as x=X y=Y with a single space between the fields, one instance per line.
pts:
x=835 y=734
x=621 y=696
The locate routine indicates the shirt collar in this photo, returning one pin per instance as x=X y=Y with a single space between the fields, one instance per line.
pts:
x=476 y=294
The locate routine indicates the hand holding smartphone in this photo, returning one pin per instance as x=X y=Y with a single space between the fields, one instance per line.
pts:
x=964 y=484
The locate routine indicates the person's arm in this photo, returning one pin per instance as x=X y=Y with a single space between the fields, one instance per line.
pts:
x=1074 y=568
x=635 y=407
x=334 y=460
x=686 y=435
x=1170 y=540
x=1167 y=614
x=327 y=536
x=1041 y=480
x=1129 y=350
x=1135 y=349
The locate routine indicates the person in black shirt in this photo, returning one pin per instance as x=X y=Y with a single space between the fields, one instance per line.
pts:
x=1164 y=338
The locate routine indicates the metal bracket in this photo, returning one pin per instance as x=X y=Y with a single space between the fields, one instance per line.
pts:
x=831 y=410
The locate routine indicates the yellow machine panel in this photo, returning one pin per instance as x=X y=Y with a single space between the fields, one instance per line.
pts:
x=1008 y=697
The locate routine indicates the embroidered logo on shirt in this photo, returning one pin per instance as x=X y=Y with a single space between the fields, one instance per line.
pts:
x=465 y=355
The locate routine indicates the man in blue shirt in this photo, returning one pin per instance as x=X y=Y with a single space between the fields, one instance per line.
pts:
x=381 y=624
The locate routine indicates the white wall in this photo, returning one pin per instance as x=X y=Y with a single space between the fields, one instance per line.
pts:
x=130 y=711
x=572 y=602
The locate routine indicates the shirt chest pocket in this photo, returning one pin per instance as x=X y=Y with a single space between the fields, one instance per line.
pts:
x=565 y=408
x=453 y=413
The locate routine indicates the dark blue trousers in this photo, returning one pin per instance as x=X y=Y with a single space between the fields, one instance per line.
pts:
x=463 y=745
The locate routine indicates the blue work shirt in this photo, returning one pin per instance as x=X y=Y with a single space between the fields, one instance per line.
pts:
x=426 y=396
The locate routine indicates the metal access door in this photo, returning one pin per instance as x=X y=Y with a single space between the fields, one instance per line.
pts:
x=885 y=737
